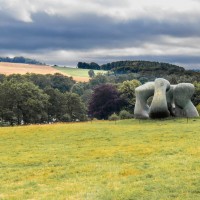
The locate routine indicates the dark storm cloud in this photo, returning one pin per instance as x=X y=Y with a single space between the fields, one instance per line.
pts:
x=87 y=32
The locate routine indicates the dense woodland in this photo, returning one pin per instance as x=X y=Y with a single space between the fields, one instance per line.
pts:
x=34 y=98
x=21 y=59
x=131 y=66
x=148 y=70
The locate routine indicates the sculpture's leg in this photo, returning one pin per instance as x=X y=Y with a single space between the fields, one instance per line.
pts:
x=142 y=93
x=159 y=108
x=170 y=100
x=182 y=97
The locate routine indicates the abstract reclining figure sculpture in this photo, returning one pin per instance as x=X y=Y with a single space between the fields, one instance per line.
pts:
x=174 y=100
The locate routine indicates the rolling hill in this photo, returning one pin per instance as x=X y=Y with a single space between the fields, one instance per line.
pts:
x=19 y=68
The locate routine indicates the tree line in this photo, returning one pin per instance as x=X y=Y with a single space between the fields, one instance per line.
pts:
x=148 y=69
x=131 y=66
x=21 y=59
x=34 y=98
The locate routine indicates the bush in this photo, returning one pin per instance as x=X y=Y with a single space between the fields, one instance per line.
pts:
x=198 y=108
x=125 y=115
x=114 y=117
x=66 y=118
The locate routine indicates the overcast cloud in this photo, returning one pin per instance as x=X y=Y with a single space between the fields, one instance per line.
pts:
x=67 y=31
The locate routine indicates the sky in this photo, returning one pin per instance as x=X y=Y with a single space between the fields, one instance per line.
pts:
x=64 y=32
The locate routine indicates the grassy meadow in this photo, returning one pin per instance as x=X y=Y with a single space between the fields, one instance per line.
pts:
x=129 y=160
x=77 y=72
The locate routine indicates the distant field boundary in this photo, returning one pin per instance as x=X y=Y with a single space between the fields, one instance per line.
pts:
x=77 y=73
x=19 y=68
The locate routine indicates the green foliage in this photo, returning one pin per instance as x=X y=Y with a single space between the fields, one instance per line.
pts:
x=16 y=77
x=91 y=65
x=133 y=66
x=173 y=79
x=23 y=101
x=74 y=107
x=66 y=118
x=91 y=73
x=59 y=89
x=57 y=81
x=87 y=96
x=60 y=82
x=55 y=108
x=198 y=108
x=127 y=90
x=20 y=60
x=42 y=81
x=78 y=88
x=2 y=77
x=143 y=79
x=120 y=78
x=33 y=98
x=138 y=66
x=65 y=106
x=114 y=117
x=148 y=71
x=77 y=72
x=125 y=114
x=196 y=97
x=99 y=79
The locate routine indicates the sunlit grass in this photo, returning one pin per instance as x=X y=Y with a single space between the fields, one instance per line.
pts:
x=77 y=71
x=101 y=160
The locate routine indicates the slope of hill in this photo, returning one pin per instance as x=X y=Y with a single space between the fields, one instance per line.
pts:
x=18 y=68
x=138 y=66
x=146 y=69
x=134 y=67
x=77 y=72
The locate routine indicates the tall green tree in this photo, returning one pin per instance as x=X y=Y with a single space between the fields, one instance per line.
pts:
x=42 y=81
x=74 y=107
x=99 y=79
x=61 y=82
x=25 y=100
x=56 y=104
x=196 y=96
x=127 y=90
x=78 y=88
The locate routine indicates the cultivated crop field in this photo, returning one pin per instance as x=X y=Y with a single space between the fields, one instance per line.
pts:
x=101 y=160
x=18 y=68
x=79 y=75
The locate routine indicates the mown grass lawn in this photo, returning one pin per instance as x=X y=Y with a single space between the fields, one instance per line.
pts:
x=77 y=71
x=101 y=160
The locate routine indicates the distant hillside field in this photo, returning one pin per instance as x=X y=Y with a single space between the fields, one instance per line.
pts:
x=101 y=160
x=18 y=68
x=77 y=72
